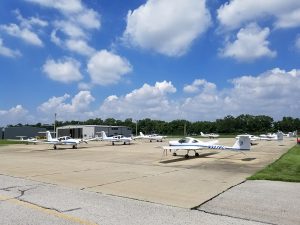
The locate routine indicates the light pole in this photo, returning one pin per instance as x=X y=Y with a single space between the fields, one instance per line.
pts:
x=54 y=124
x=136 y=125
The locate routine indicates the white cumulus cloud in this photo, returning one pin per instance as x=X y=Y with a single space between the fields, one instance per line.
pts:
x=7 y=52
x=250 y=44
x=70 y=29
x=270 y=93
x=23 y=33
x=65 y=70
x=147 y=101
x=73 y=26
x=32 y=21
x=14 y=115
x=76 y=108
x=198 y=85
x=65 y=6
x=236 y=13
x=107 y=68
x=167 y=26
x=80 y=47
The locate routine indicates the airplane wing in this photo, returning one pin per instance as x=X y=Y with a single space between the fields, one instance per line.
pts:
x=182 y=147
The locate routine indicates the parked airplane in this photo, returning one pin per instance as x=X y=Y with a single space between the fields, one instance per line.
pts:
x=272 y=137
x=290 y=134
x=211 y=135
x=117 y=138
x=28 y=140
x=65 y=140
x=151 y=137
x=191 y=144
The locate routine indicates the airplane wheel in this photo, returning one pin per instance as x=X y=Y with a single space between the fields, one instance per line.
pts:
x=54 y=146
x=73 y=147
x=174 y=154
x=113 y=143
x=124 y=143
x=186 y=156
x=150 y=140
x=196 y=154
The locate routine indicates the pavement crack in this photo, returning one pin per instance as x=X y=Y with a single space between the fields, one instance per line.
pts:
x=37 y=205
x=8 y=188
x=198 y=206
x=70 y=210
x=235 y=217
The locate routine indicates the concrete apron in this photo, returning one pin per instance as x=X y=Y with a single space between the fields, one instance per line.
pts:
x=139 y=170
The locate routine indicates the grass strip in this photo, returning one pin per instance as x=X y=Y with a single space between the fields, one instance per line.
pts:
x=286 y=168
x=8 y=142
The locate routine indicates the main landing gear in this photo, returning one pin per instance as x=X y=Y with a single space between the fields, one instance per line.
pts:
x=187 y=155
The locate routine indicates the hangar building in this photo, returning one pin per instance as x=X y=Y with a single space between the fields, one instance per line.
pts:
x=27 y=131
x=90 y=131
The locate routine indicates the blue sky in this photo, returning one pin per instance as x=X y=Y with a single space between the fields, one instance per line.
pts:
x=161 y=59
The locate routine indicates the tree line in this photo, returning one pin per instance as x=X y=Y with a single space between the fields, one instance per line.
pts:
x=244 y=123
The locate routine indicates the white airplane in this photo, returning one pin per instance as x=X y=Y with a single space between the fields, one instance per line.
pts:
x=191 y=144
x=28 y=140
x=290 y=134
x=211 y=135
x=272 y=137
x=65 y=140
x=117 y=138
x=151 y=137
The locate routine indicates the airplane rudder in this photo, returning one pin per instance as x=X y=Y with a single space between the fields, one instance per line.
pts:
x=243 y=143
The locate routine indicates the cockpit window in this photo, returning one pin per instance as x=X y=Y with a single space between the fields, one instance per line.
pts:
x=183 y=140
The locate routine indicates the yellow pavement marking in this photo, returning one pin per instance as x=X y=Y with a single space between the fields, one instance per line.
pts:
x=46 y=211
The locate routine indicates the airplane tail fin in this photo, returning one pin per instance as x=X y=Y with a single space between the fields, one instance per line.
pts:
x=201 y=133
x=242 y=143
x=49 y=137
x=103 y=134
x=279 y=136
x=141 y=134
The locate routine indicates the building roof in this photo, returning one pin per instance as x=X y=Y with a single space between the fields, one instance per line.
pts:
x=81 y=126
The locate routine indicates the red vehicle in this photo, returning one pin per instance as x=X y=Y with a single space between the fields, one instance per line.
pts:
x=298 y=141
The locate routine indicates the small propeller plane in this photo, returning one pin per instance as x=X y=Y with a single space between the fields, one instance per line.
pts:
x=117 y=138
x=272 y=137
x=65 y=140
x=191 y=144
x=28 y=140
x=151 y=137
x=211 y=135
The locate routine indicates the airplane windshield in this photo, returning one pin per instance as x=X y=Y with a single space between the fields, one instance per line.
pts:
x=183 y=140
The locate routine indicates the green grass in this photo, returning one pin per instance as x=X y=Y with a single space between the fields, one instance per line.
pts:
x=286 y=168
x=8 y=142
